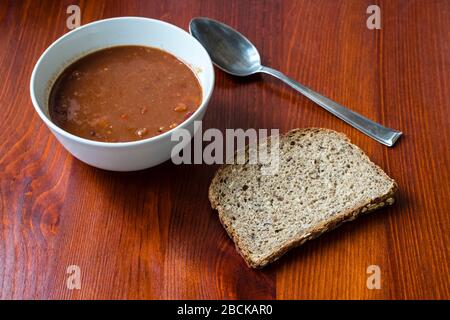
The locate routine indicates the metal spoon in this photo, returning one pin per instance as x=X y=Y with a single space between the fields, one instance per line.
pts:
x=235 y=54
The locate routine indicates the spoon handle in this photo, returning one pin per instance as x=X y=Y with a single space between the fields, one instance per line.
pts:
x=374 y=130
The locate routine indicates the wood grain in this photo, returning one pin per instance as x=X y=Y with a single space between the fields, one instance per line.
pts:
x=152 y=234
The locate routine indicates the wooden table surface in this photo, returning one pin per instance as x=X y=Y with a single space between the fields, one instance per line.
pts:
x=152 y=235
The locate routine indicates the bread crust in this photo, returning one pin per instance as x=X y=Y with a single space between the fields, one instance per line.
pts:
x=314 y=232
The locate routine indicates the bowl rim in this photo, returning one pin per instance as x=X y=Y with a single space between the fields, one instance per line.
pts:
x=78 y=139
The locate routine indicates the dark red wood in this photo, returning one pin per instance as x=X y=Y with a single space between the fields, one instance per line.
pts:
x=152 y=234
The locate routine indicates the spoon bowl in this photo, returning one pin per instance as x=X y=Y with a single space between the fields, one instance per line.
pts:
x=230 y=50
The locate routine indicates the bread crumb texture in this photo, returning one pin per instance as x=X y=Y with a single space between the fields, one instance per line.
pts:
x=322 y=181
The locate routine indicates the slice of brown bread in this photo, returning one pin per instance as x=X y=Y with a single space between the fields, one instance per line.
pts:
x=323 y=180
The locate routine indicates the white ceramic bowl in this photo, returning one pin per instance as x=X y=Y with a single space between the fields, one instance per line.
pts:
x=122 y=156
